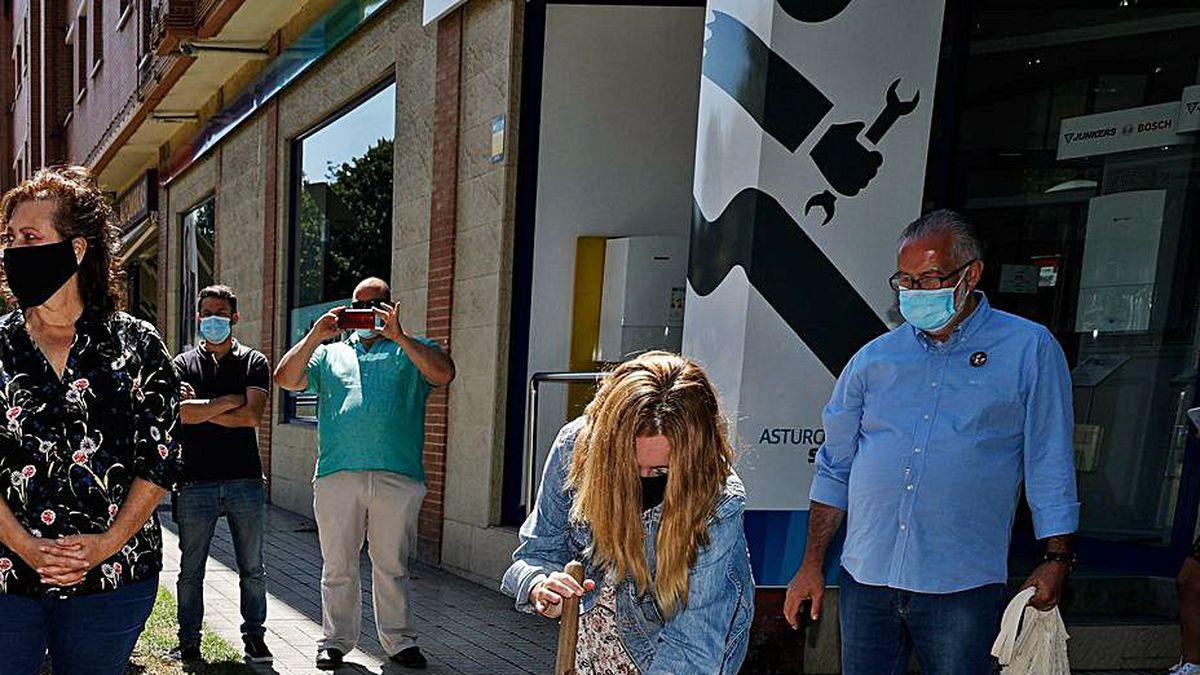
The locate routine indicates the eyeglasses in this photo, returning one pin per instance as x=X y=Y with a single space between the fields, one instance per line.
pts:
x=368 y=304
x=901 y=281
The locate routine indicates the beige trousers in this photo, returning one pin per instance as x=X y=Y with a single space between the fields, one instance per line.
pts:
x=382 y=508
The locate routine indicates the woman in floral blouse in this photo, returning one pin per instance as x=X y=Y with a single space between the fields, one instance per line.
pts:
x=89 y=402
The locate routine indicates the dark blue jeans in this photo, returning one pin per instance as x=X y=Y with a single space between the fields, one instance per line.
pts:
x=199 y=506
x=88 y=635
x=952 y=633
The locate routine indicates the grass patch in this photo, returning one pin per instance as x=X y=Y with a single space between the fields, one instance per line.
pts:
x=150 y=655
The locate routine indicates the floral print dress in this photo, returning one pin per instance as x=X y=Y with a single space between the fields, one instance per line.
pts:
x=600 y=650
x=71 y=447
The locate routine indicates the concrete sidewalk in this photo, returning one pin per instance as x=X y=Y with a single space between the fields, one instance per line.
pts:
x=464 y=628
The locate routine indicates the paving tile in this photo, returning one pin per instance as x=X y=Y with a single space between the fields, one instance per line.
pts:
x=464 y=628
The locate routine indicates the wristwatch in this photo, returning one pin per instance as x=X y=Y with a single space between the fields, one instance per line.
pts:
x=1067 y=559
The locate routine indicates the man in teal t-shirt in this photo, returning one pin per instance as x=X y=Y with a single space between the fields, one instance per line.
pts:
x=371 y=388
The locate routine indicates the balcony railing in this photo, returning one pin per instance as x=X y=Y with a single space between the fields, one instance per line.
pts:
x=170 y=22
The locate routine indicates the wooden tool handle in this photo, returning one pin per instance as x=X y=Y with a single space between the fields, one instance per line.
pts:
x=568 y=629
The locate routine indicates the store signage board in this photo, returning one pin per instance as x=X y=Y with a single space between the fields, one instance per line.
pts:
x=1189 y=109
x=436 y=9
x=1121 y=131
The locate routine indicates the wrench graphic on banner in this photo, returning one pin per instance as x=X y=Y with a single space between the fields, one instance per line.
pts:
x=845 y=162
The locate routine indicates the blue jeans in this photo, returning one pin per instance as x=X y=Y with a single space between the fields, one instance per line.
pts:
x=88 y=635
x=199 y=506
x=952 y=633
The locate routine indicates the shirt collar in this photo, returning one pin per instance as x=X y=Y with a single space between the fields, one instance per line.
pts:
x=356 y=342
x=965 y=330
x=235 y=348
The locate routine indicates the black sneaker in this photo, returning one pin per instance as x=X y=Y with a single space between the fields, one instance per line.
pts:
x=329 y=659
x=410 y=658
x=256 y=649
x=185 y=653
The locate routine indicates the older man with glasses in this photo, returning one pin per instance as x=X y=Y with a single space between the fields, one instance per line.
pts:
x=929 y=435
x=370 y=481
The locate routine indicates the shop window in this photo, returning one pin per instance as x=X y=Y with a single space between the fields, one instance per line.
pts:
x=81 y=54
x=198 y=234
x=19 y=65
x=341 y=223
x=1063 y=152
x=142 y=285
x=144 y=26
x=97 y=33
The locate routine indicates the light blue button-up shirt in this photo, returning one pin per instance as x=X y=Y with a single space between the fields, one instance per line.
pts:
x=926 y=446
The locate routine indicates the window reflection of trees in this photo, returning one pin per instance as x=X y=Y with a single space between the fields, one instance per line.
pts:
x=198 y=230
x=344 y=225
x=206 y=235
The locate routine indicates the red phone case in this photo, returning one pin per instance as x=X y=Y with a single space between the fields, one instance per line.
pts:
x=357 y=318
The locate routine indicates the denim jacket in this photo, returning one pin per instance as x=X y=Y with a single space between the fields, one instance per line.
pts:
x=709 y=635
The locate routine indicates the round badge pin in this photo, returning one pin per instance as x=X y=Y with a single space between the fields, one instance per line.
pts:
x=978 y=359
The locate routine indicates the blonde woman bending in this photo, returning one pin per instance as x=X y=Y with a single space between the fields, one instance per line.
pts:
x=641 y=489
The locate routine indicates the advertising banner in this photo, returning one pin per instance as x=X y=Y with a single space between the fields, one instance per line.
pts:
x=811 y=149
x=1120 y=131
x=1189 y=109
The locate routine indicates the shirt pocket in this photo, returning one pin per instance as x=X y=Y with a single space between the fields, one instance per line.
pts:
x=983 y=407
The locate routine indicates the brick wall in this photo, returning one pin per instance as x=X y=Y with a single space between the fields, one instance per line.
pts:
x=27 y=130
x=270 y=156
x=111 y=89
x=48 y=95
x=472 y=546
x=442 y=230
x=7 y=92
x=54 y=86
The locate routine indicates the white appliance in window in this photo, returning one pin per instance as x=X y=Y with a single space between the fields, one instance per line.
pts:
x=645 y=282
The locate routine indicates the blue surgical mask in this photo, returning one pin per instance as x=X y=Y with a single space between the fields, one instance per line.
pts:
x=930 y=311
x=366 y=333
x=215 y=329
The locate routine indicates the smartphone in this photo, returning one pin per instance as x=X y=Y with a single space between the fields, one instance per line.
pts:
x=351 y=319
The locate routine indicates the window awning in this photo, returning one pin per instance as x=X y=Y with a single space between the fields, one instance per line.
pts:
x=137 y=239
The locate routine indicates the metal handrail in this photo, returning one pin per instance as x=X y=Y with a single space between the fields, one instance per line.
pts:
x=531 y=415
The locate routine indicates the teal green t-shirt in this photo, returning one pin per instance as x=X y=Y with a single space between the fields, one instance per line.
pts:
x=371 y=408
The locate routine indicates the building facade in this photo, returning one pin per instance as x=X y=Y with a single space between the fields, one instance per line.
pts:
x=288 y=149
x=532 y=175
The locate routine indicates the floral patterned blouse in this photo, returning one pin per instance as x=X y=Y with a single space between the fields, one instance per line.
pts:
x=600 y=650
x=71 y=448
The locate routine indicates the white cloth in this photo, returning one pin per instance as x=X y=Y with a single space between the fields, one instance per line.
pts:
x=1031 y=642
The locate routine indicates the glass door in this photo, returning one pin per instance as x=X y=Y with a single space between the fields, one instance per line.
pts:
x=1062 y=145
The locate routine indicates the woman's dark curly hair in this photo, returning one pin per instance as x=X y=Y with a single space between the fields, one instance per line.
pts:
x=83 y=213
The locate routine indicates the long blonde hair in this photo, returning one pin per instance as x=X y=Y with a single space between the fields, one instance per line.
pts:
x=656 y=393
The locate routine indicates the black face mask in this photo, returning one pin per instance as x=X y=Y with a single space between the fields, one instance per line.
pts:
x=35 y=273
x=654 y=488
